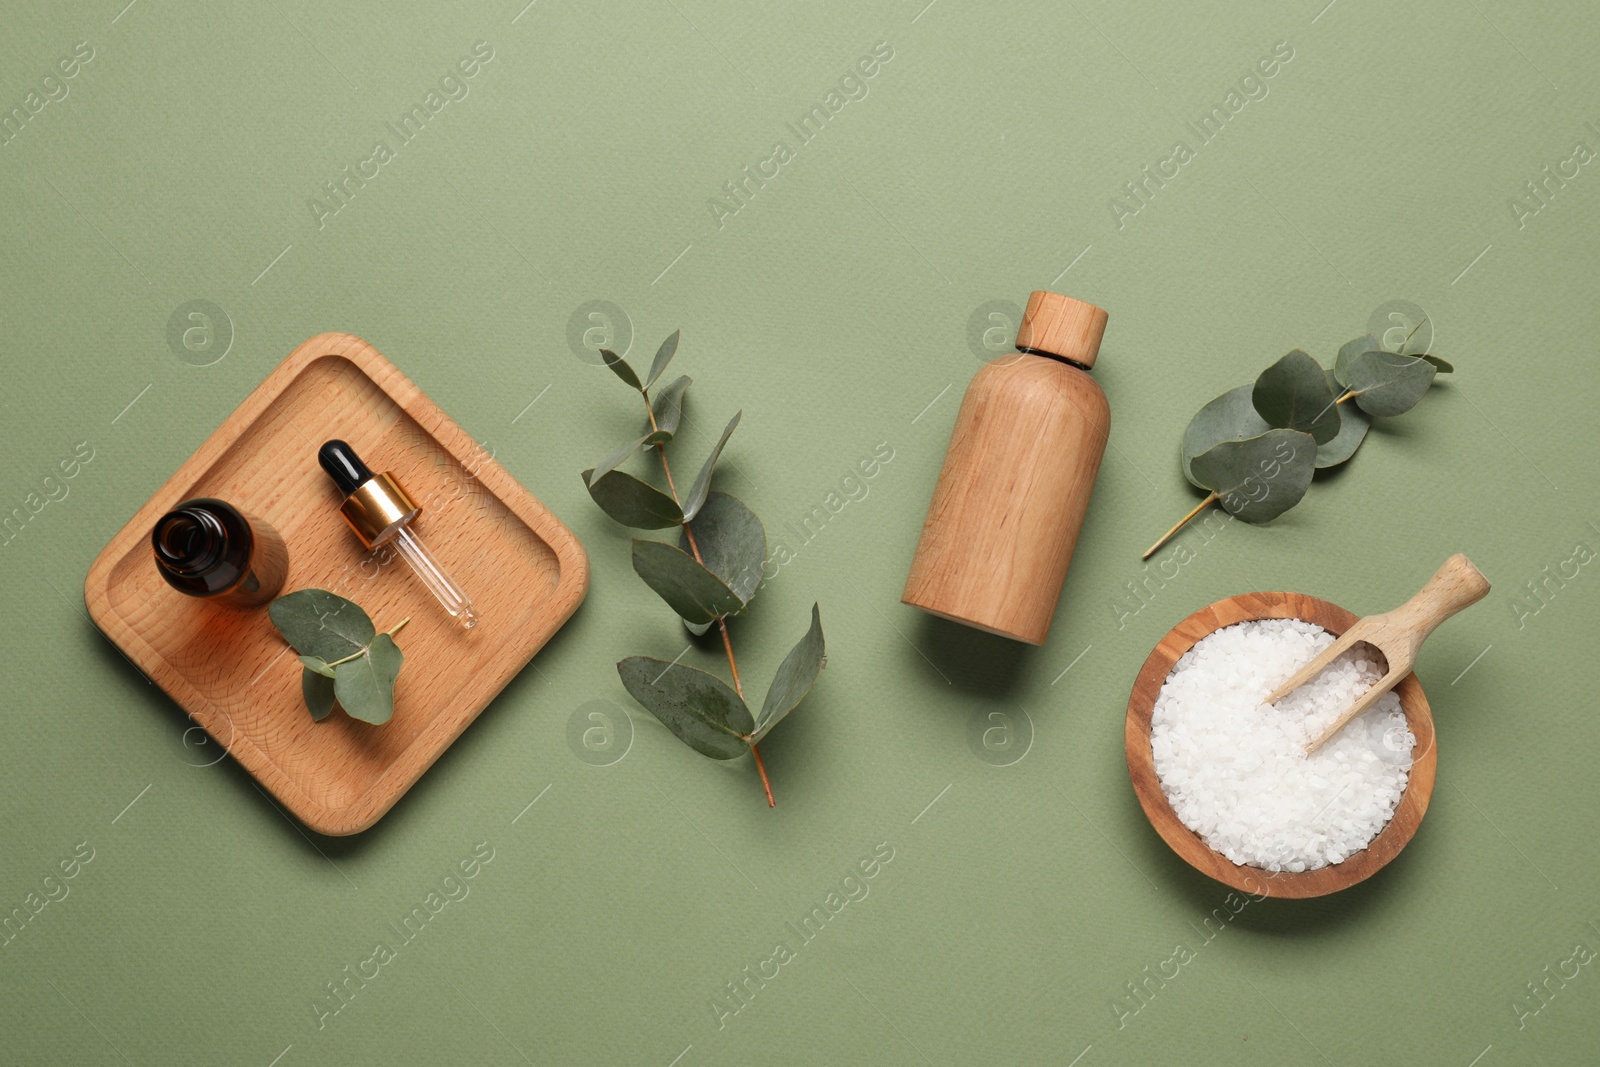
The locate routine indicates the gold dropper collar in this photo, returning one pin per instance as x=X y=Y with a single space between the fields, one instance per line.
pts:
x=378 y=508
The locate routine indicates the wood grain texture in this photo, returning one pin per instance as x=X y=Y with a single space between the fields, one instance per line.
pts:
x=1063 y=326
x=233 y=673
x=1011 y=497
x=1185 y=842
x=1398 y=634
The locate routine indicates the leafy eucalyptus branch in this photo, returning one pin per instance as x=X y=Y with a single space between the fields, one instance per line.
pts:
x=711 y=573
x=1254 y=449
x=344 y=656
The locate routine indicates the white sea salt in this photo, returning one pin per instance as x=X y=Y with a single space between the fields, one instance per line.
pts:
x=1234 y=769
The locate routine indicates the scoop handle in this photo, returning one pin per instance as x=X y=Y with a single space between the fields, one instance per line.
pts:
x=1399 y=633
x=1455 y=585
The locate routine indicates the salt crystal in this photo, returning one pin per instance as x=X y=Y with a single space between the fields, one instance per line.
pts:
x=1234 y=768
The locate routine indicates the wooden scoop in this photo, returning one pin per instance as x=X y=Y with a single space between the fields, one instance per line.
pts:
x=1397 y=634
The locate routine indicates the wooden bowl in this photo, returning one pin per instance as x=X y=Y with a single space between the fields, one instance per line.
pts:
x=1184 y=841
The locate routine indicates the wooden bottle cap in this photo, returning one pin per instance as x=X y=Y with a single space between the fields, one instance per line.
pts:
x=1061 y=326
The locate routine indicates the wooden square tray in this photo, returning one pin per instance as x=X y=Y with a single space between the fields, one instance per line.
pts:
x=233 y=673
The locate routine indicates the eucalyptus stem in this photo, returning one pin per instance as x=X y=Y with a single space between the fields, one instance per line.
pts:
x=762 y=767
x=396 y=628
x=722 y=623
x=1198 y=508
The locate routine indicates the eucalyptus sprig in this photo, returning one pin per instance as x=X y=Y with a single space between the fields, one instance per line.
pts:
x=712 y=572
x=1254 y=449
x=343 y=655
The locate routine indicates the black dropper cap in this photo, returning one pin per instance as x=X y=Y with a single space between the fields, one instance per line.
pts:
x=343 y=466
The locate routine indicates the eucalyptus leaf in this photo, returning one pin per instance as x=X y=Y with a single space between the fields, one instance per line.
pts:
x=633 y=502
x=796 y=675
x=664 y=355
x=1353 y=426
x=619 y=367
x=667 y=409
x=1386 y=383
x=1230 y=417
x=1349 y=351
x=317 y=665
x=702 y=481
x=365 y=685
x=689 y=589
x=321 y=624
x=699 y=708
x=614 y=460
x=1293 y=394
x=732 y=543
x=317 y=689
x=1443 y=366
x=1260 y=478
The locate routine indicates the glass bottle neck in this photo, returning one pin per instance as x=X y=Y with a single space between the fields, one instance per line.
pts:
x=190 y=542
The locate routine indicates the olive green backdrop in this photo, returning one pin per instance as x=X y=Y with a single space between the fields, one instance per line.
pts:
x=841 y=298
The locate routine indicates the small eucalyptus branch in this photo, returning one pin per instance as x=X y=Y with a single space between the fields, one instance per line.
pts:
x=343 y=657
x=722 y=623
x=716 y=577
x=1255 y=448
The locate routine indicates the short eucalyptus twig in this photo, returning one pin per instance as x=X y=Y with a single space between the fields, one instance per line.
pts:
x=722 y=623
x=343 y=657
x=1255 y=448
x=713 y=572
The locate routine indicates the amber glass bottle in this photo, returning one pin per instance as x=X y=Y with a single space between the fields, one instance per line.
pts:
x=1017 y=477
x=210 y=549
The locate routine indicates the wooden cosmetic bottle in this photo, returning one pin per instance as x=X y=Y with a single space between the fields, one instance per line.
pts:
x=1017 y=477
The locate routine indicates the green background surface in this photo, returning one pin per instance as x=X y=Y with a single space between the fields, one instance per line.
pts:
x=836 y=309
